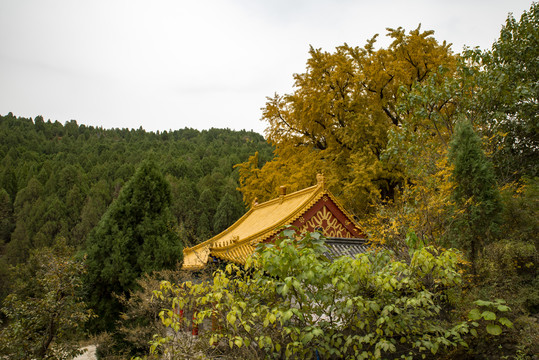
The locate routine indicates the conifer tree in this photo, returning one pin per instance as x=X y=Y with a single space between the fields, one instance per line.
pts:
x=476 y=197
x=133 y=237
x=203 y=227
x=6 y=217
x=227 y=212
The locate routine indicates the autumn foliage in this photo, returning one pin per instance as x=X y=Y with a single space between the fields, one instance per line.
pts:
x=339 y=119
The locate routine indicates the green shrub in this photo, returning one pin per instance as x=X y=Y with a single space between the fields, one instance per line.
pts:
x=290 y=301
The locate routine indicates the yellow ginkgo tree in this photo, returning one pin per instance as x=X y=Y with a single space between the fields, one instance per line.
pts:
x=338 y=119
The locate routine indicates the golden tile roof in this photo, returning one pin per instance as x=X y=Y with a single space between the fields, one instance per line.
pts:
x=261 y=222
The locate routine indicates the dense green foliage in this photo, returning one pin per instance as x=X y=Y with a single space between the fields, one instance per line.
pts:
x=134 y=237
x=507 y=105
x=292 y=302
x=56 y=181
x=475 y=193
x=45 y=312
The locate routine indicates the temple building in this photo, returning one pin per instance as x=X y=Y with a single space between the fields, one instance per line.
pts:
x=310 y=209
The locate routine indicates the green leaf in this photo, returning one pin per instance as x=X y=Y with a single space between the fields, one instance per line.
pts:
x=238 y=342
x=506 y=322
x=231 y=318
x=287 y=315
x=494 y=329
x=308 y=337
x=482 y=303
x=474 y=314
x=488 y=315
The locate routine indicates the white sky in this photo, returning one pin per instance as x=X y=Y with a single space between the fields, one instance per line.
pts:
x=164 y=64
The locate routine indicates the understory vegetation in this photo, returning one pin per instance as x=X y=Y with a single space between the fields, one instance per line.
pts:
x=291 y=301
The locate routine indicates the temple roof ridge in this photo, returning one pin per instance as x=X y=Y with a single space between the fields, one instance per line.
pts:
x=263 y=221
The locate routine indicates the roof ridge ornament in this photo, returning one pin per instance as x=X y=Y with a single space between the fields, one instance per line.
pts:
x=320 y=179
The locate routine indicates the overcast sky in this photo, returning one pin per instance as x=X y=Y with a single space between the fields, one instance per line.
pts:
x=166 y=65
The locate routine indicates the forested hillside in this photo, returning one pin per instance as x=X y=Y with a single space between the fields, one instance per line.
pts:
x=56 y=181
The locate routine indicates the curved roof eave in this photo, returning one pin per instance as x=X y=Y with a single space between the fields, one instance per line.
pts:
x=264 y=234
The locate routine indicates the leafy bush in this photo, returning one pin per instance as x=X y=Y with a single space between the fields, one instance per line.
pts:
x=290 y=301
x=140 y=321
x=45 y=314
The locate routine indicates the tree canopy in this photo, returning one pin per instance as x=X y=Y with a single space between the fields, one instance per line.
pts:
x=507 y=103
x=45 y=311
x=475 y=193
x=57 y=181
x=60 y=178
x=135 y=236
x=338 y=118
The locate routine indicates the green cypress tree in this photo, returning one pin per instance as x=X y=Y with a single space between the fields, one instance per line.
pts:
x=17 y=250
x=6 y=218
x=207 y=202
x=133 y=237
x=476 y=196
x=227 y=212
x=203 y=227
x=92 y=211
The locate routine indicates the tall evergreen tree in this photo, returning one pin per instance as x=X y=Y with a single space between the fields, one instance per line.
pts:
x=227 y=212
x=17 y=249
x=6 y=217
x=133 y=237
x=477 y=200
x=203 y=227
x=90 y=214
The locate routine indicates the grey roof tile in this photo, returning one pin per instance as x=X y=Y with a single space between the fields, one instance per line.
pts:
x=345 y=247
